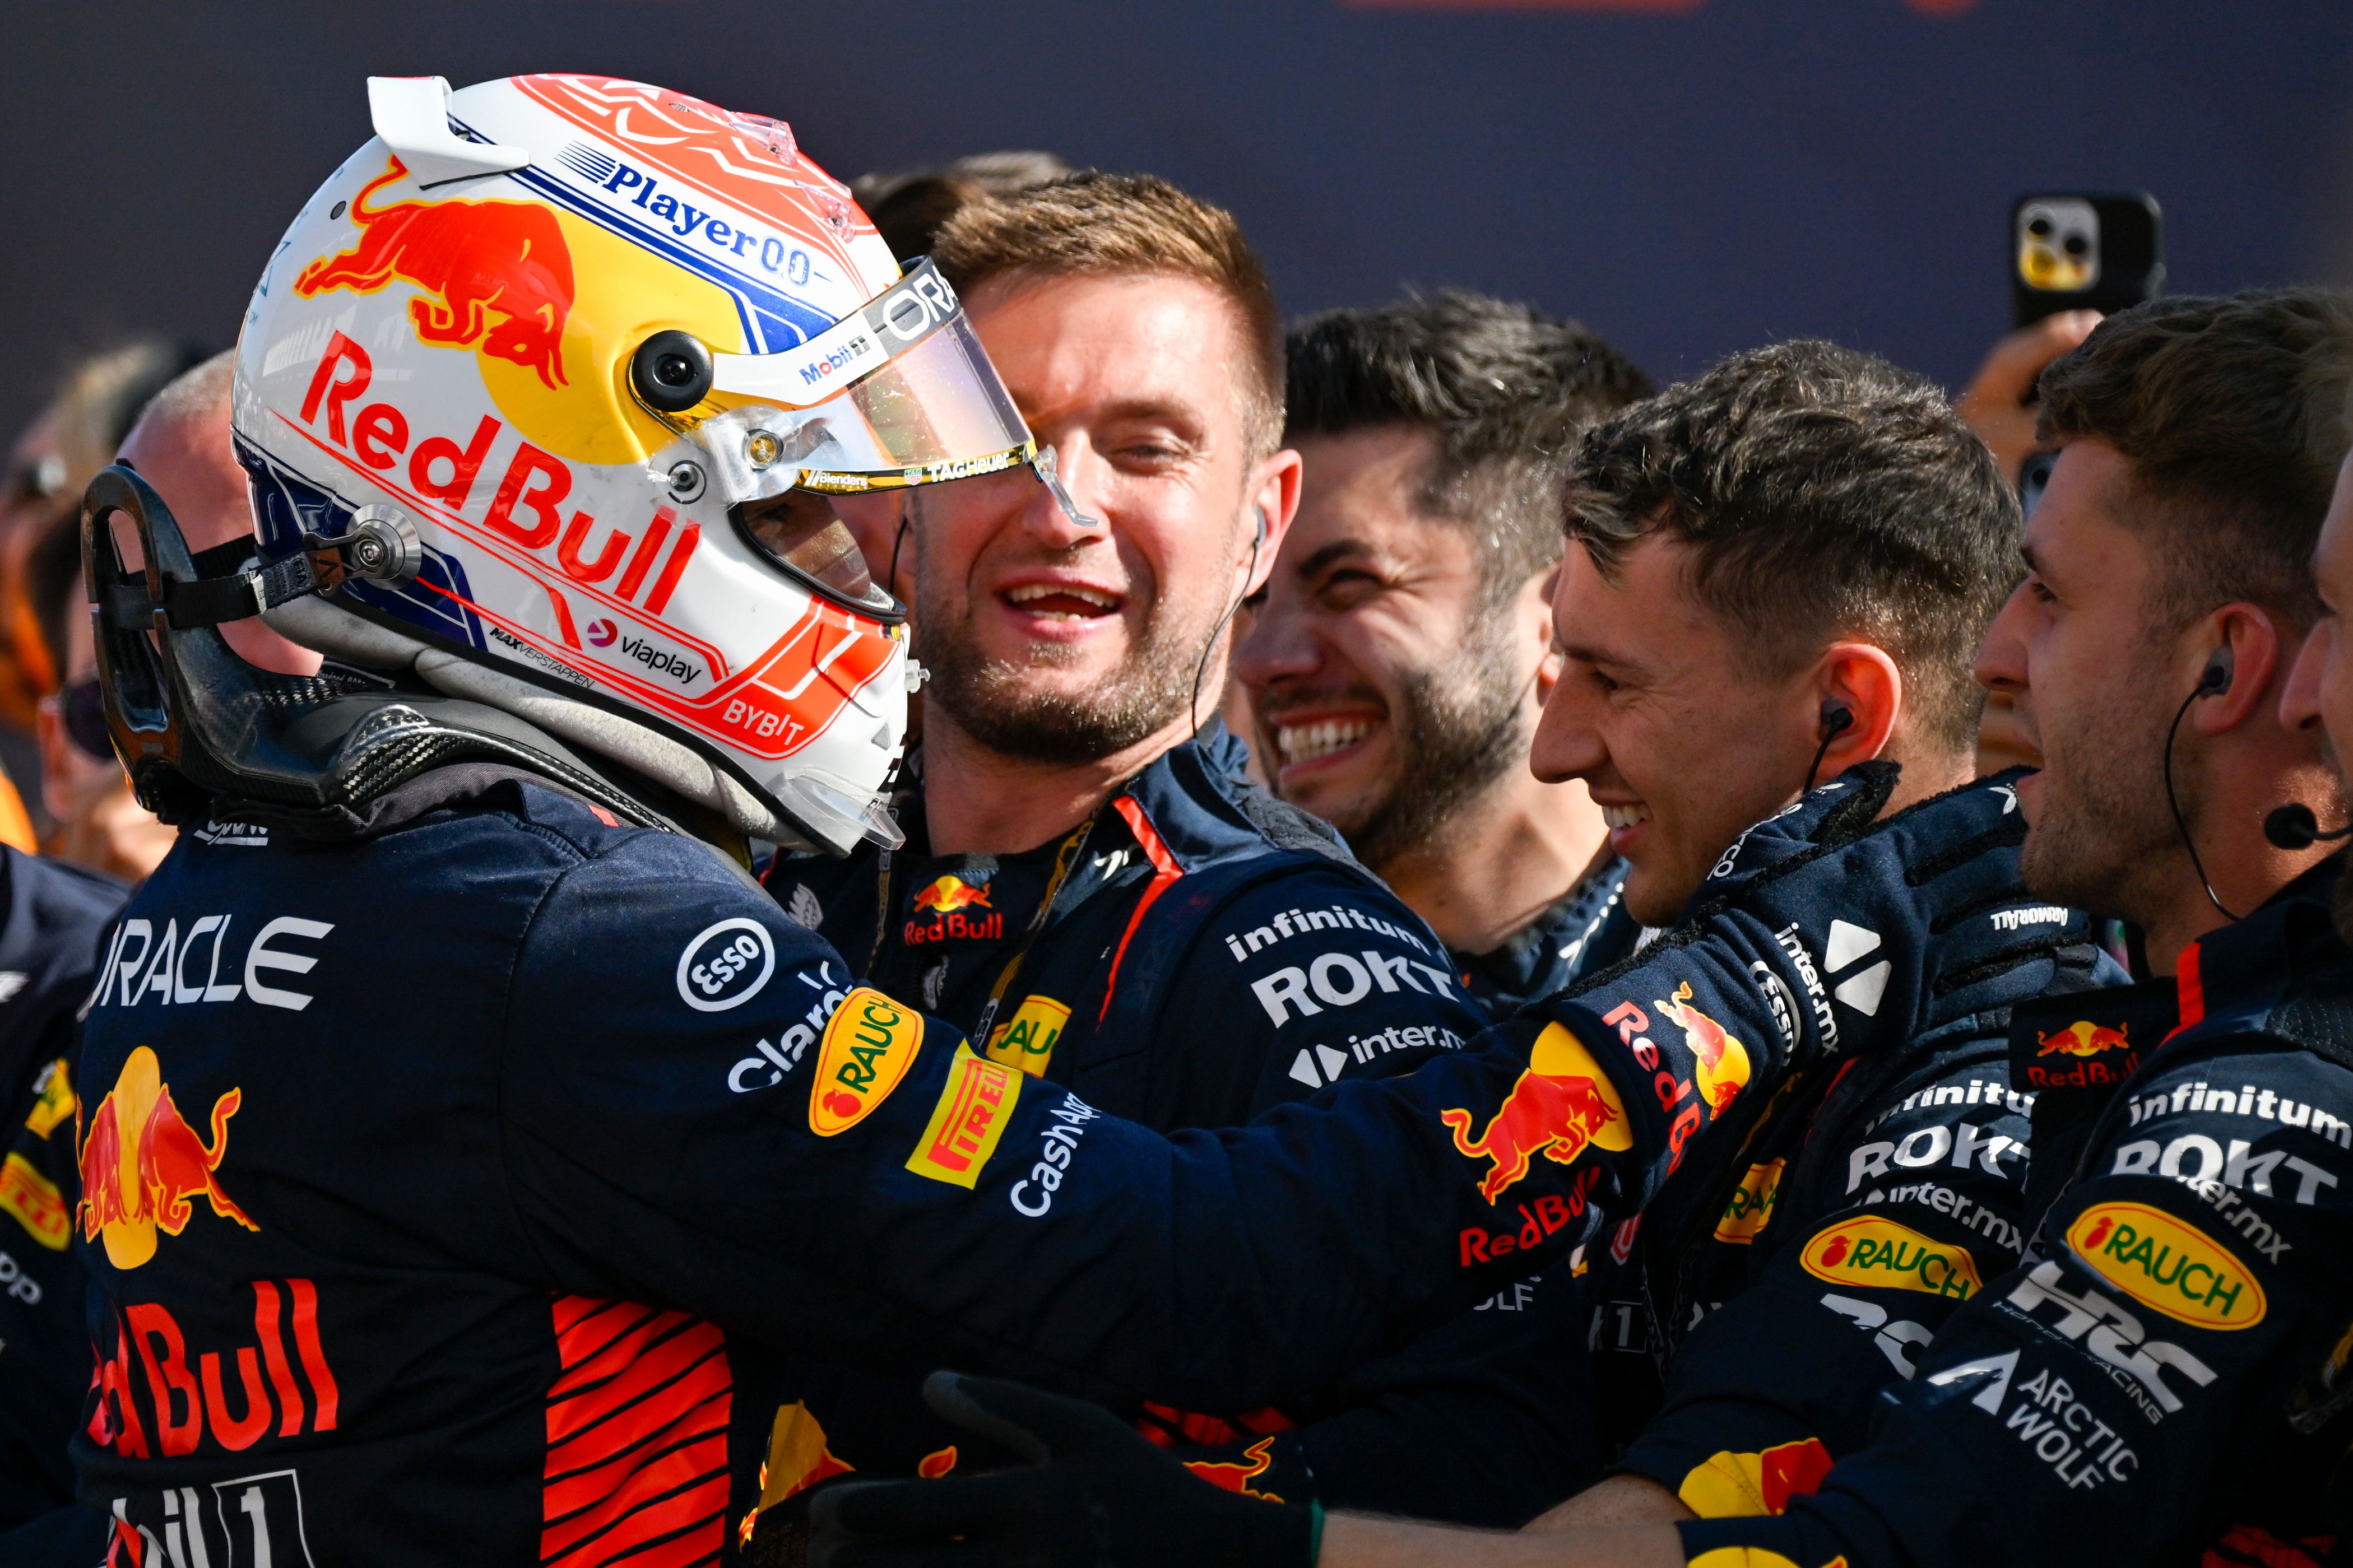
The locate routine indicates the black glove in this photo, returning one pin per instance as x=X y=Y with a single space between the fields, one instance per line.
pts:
x=1098 y=1496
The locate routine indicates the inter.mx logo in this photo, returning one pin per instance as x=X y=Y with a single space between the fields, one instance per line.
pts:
x=1848 y=945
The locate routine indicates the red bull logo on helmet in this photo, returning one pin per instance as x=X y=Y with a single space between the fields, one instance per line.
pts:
x=470 y=261
x=1563 y=1103
x=142 y=1164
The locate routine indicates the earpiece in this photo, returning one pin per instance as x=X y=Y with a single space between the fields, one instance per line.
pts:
x=1837 y=718
x=1262 y=528
x=2215 y=678
x=2212 y=681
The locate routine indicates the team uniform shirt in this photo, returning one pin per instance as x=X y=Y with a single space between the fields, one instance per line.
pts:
x=1488 y=1420
x=2163 y=1376
x=1781 y=1292
x=464 y=1170
x=1861 y=1217
x=1584 y=931
x=52 y=927
x=1210 y=952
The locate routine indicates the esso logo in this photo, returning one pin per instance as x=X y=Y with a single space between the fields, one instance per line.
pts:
x=601 y=633
x=726 y=965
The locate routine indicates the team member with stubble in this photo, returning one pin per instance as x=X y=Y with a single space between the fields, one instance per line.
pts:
x=1088 y=886
x=1689 y=513
x=1792 y=559
x=2165 y=1372
x=1396 y=664
x=1403 y=648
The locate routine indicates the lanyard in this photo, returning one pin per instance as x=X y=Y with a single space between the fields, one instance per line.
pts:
x=1066 y=860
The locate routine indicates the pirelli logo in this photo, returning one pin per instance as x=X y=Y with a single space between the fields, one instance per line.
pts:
x=969 y=1120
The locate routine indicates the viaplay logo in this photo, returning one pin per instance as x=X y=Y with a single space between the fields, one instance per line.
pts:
x=600 y=634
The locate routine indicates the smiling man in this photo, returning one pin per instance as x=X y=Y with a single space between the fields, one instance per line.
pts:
x=1088 y=886
x=1777 y=574
x=1403 y=647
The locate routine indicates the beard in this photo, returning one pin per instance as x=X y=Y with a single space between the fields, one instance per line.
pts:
x=2104 y=840
x=1455 y=730
x=1000 y=704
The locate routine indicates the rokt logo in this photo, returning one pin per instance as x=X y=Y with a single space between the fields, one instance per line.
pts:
x=726 y=965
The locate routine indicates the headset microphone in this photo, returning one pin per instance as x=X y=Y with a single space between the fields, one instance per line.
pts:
x=2292 y=826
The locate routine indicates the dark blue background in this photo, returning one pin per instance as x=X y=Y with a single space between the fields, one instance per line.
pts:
x=1689 y=183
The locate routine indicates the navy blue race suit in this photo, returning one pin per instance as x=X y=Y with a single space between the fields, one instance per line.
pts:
x=460 y=1170
x=53 y=922
x=2163 y=1377
x=1870 y=1205
x=1779 y=1293
x=1210 y=952
x=1490 y=1419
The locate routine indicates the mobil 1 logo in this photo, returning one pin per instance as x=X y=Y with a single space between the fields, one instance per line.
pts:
x=726 y=965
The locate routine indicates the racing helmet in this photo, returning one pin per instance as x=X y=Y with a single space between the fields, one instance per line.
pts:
x=543 y=396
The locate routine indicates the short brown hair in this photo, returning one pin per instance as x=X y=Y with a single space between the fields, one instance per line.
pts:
x=1503 y=388
x=1091 y=224
x=2230 y=413
x=1823 y=493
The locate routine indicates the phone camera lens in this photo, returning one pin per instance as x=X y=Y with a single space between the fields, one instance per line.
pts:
x=2076 y=244
x=2040 y=228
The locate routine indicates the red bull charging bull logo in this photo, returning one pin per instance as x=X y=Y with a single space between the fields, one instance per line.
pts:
x=950 y=894
x=469 y=259
x=1563 y=1103
x=141 y=1163
x=2082 y=1039
x=1721 y=1062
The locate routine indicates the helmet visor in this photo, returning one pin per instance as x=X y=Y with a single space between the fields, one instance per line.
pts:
x=935 y=412
x=898 y=392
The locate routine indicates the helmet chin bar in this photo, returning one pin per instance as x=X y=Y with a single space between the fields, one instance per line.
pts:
x=191 y=719
x=341 y=635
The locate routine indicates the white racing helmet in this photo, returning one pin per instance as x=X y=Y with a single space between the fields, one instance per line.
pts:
x=562 y=369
